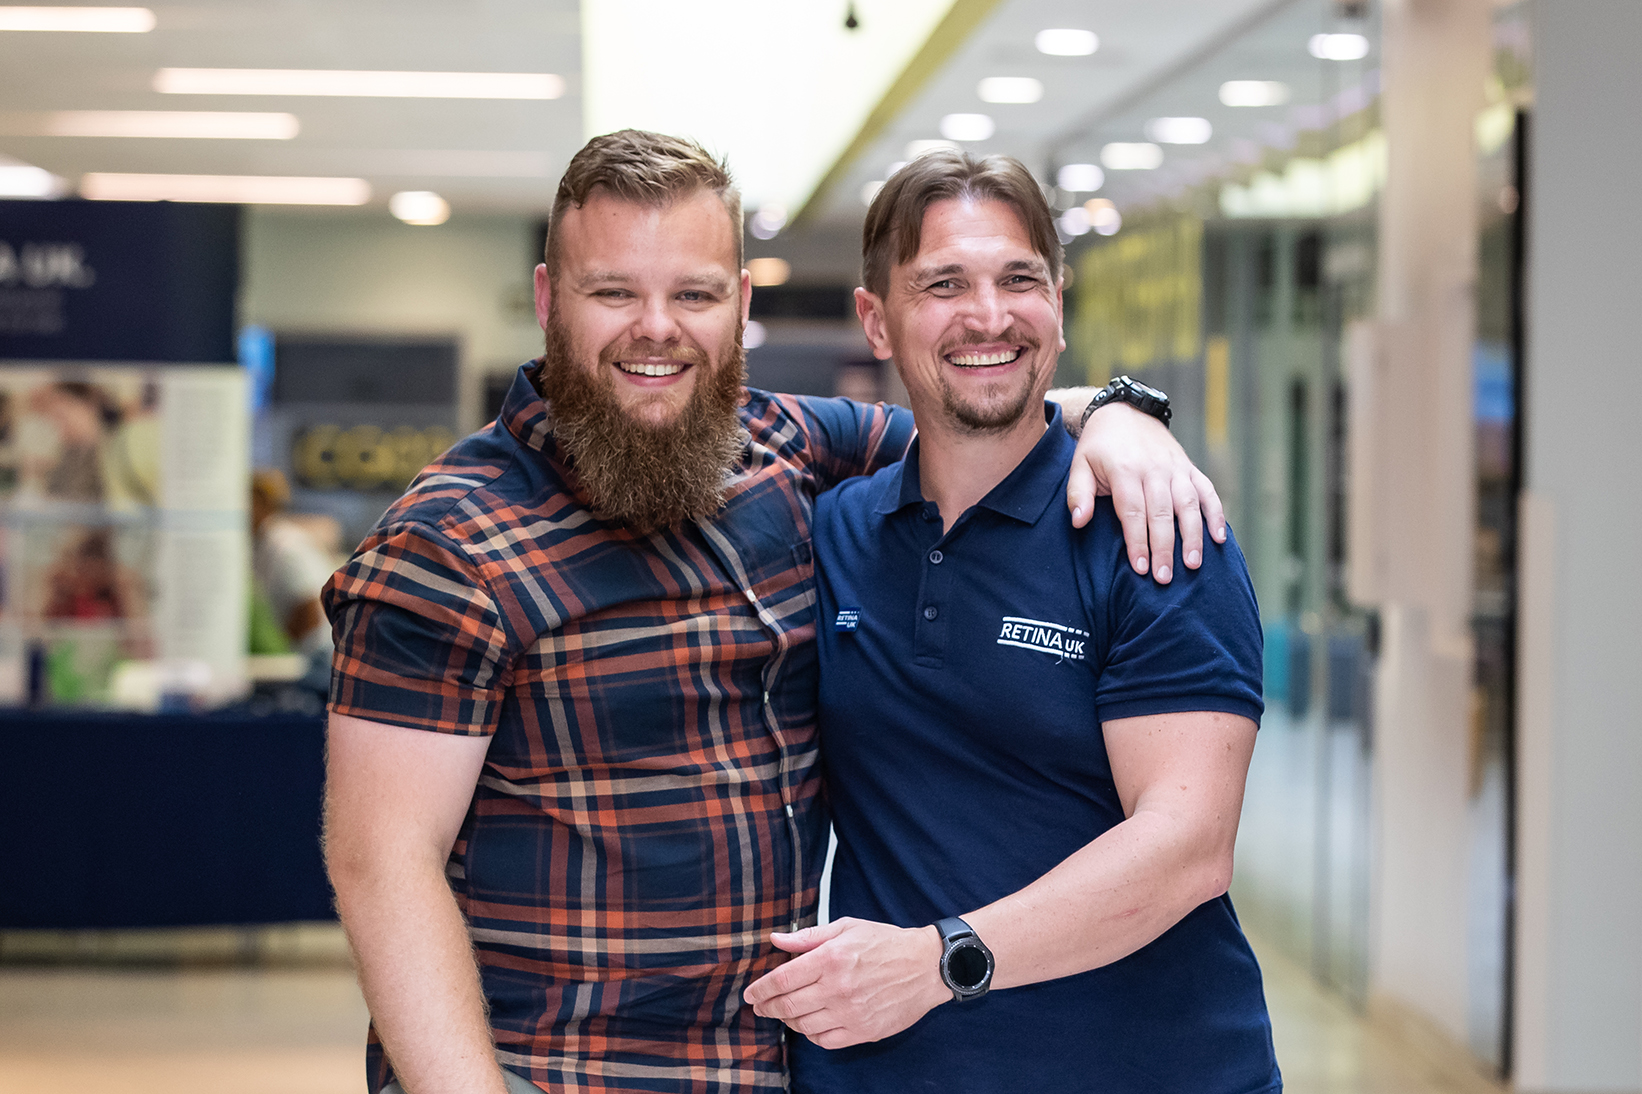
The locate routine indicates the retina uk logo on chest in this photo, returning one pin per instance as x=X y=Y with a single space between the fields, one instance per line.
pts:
x=1067 y=643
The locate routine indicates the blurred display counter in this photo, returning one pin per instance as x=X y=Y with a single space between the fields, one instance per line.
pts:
x=160 y=820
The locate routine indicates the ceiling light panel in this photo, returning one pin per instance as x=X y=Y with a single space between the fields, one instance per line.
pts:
x=1080 y=177
x=240 y=189
x=185 y=124
x=1338 y=47
x=358 y=84
x=1131 y=156
x=1254 y=93
x=80 y=20
x=967 y=127
x=1010 y=89
x=420 y=207
x=1067 y=42
x=1180 y=130
x=24 y=180
x=813 y=81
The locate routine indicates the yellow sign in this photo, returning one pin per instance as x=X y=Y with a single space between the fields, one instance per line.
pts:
x=365 y=457
x=1139 y=299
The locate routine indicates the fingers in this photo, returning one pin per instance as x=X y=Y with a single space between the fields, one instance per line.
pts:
x=1080 y=493
x=1190 y=518
x=1130 y=502
x=788 y=978
x=793 y=1007
x=1160 y=525
x=1213 y=512
x=807 y=939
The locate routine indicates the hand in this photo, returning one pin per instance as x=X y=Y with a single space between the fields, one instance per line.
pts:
x=1133 y=457
x=855 y=981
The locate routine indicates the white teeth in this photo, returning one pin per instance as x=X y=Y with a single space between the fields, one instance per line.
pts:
x=649 y=368
x=980 y=360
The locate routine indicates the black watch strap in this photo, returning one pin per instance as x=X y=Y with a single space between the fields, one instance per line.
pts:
x=1126 y=389
x=966 y=963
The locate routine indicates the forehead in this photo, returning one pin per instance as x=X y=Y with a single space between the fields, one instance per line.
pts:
x=959 y=228
x=606 y=230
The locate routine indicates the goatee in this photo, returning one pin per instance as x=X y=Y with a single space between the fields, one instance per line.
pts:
x=644 y=476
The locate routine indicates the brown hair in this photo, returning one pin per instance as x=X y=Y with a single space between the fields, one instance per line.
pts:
x=895 y=220
x=644 y=168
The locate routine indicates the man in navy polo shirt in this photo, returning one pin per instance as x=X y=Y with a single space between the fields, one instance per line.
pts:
x=1035 y=758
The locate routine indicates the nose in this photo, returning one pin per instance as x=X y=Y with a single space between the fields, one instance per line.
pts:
x=656 y=321
x=989 y=310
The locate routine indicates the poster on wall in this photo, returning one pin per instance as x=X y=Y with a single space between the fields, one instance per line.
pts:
x=123 y=532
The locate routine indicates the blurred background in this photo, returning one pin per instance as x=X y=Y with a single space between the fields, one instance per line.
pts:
x=261 y=262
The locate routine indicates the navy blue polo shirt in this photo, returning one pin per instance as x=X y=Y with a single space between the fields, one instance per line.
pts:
x=965 y=677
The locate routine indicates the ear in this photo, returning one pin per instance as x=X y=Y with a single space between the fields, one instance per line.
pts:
x=746 y=298
x=870 y=310
x=1060 y=310
x=544 y=295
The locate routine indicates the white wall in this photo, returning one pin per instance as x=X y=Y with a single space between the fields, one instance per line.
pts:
x=363 y=271
x=1579 y=941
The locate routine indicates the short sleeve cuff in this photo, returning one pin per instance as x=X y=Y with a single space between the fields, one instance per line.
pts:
x=1181 y=704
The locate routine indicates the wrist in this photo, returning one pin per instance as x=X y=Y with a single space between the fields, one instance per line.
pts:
x=932 y=990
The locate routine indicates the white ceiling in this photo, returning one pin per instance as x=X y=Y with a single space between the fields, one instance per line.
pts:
x=1159 y=57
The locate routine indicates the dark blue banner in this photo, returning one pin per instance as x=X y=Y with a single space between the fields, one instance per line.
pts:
x=118 y=281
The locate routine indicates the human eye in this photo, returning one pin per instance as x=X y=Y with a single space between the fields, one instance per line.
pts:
x=1021 y=282
x=946 y=286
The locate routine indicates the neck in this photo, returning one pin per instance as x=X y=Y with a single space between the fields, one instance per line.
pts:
x=956 y=468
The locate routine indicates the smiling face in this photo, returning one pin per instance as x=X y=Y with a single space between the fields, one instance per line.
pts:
x=973 y=321
x=650 y=296
x=643 y=371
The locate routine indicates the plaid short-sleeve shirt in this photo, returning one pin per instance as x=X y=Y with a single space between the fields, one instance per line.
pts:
x=647 y=811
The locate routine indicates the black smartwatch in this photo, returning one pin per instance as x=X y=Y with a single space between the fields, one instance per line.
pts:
x=966 y=963
x=1138 y=395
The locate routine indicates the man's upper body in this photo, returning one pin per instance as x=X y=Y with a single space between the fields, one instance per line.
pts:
x=1018 y=729
x=573 y=714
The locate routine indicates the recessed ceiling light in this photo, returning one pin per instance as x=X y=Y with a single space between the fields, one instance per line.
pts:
x=769 y=272
x=241 y=189
x=1085 y=177
x=1136 y=156
x=1180 y=130
x=1338 y=47
x=421 y=207
x=889 y=172
x=24 y=180
x=768 y=221
x=1103 y=216
x=967 y=127
x=224 y=125
x=1066 y=42
x=1254 y=93
x=1010 y=89
x=388 y=85
x=86 y=20
x=918 y=148
x=870 y=190
x=1075 y=221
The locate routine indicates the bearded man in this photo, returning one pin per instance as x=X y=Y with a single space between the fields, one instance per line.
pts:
x=572 y=769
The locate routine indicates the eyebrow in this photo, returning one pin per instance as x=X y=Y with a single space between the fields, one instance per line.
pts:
x=1031 y=265
x=713 y=282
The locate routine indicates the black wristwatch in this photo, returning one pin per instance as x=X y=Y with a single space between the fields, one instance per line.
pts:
x=1138 y=395
x=966 y=963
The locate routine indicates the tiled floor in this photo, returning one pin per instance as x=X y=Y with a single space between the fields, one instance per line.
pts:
x=300 y=1030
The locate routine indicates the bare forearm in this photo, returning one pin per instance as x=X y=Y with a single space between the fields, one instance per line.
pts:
x=1073 y=401
x=417 y=972
x=1104 y=902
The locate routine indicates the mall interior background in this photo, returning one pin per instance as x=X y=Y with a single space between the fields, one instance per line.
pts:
x=1383 y=255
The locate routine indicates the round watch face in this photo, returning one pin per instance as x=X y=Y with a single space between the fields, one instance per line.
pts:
x=967 y=965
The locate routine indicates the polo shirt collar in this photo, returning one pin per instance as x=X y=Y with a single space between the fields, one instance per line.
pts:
x=1024 y=493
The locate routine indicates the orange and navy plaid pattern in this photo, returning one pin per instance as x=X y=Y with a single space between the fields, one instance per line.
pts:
x=647 y=811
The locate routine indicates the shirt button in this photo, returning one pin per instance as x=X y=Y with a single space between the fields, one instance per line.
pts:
x=931 y=612
x=936 y=557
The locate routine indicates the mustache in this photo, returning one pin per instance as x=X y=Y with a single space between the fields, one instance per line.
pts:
x=688 y=355
x=971 y=338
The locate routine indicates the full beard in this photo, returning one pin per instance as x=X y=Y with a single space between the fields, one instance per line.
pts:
x=643 y=476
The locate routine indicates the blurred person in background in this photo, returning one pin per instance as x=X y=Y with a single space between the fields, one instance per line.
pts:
x=1034 y=757
x=572 y=780
x=289 y=568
